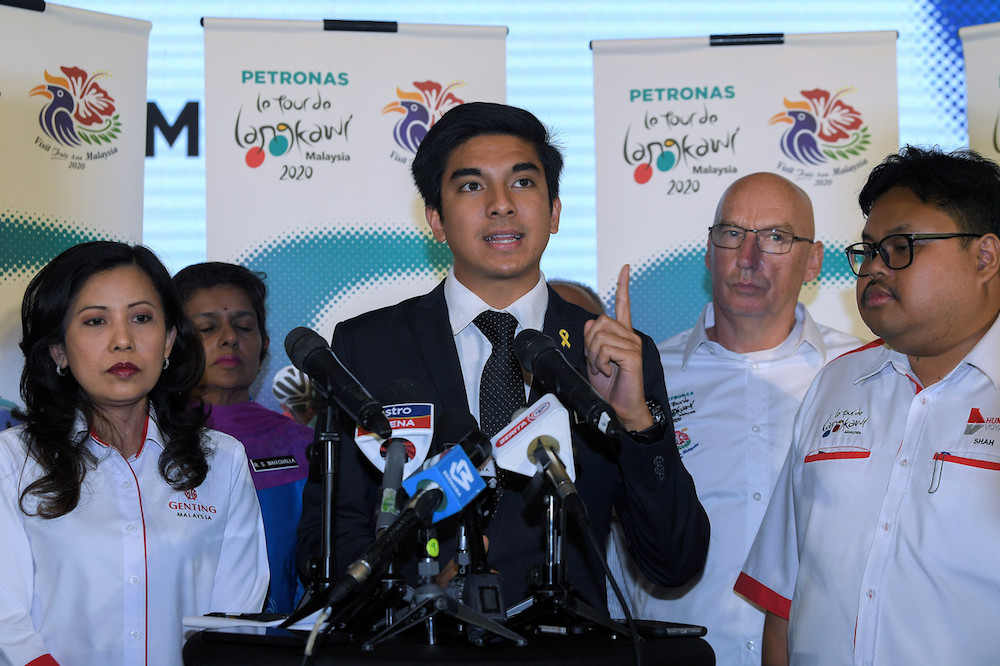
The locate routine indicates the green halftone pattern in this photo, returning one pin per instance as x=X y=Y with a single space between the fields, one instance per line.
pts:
x=836 y=273
x=308 y=272
x=29 y=241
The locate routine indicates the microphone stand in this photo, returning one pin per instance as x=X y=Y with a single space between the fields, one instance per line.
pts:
x=322 y=455
x=474 y=584
x=429 y=601
x=555 y=603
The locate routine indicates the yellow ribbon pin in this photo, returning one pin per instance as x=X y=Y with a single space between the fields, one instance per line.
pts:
x=564 y=334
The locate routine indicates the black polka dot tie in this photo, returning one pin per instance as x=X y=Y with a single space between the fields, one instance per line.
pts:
x=501 y=390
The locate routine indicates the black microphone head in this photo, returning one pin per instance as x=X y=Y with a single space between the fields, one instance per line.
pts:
x=528 y=344
x=457 y=426
x=300 y=342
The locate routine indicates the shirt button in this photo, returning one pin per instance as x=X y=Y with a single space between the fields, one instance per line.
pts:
x=125 y=485
x=755 y=428
x=134 y=634
x=885 y=527
x=756 y=366
x=750 y=645
x=130 y=528
x=133 y=579
x=871 y=593
x=904 y=462
x=757 y=496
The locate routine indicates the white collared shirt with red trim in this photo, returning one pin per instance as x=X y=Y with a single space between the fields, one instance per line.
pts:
x=109 y=582
x=733 y=417
x=880 y=543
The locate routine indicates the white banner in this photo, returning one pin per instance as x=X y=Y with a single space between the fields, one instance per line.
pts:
x=310 y=135
x=72 y=137
x=678 y=120
x=981 y=43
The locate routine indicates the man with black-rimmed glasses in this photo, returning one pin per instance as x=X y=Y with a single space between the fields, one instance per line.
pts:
x=880 y=544
x=735 y=382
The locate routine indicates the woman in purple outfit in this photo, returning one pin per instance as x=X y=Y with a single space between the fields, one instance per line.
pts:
x=226 y=304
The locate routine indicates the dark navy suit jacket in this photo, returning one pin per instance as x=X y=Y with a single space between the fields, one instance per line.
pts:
x=665 y=525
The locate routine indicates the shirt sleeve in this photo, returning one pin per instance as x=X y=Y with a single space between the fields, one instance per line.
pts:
x=772 y=565
x=242 y=576
x=20 y=643
x=665 y=526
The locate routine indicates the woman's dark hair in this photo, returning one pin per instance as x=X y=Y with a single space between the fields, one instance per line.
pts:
x=467 y=121
x=217 y=273
x=51 y=401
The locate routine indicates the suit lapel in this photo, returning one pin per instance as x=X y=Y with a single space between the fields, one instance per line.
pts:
x=435 y=345
x=564 y=324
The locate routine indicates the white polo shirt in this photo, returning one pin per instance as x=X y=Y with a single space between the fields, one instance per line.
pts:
x=881 y=543
x=733 y=416
x=109 y=582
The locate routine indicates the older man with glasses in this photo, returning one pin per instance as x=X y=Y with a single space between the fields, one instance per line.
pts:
x=735 y=381
x=880 y=544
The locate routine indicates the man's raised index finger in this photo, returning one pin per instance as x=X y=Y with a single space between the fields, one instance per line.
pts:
x=623 y=308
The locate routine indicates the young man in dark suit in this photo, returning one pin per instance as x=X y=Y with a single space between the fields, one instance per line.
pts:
x=489 y=177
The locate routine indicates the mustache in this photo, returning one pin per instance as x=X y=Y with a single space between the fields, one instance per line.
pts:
x=881 y=285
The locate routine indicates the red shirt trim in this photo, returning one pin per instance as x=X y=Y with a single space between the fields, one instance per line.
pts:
x=836 y=455
x=763 y=596
x=971 y=462
x=44 y=660
x=877 y=342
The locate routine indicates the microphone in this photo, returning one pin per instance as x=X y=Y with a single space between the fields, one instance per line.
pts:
x=545 y=417
x=455 y=473
x=539 y=355
x=544 y=452
x=459 y=427
x=418 y=512
x=402 y=454
x=435 y=493
x=310 y=353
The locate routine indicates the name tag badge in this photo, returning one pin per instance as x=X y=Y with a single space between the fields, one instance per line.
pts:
x=274 y=464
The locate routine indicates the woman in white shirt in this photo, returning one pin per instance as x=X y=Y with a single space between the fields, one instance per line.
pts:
x=119 y=512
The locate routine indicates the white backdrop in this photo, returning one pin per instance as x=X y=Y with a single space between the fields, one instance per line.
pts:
x=72 y=139
x=311 y=134
x=982 y=80
x=679 y=120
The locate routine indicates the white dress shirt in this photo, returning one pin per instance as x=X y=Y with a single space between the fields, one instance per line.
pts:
x=473 y=347
x=108 y=582
x=881 y=543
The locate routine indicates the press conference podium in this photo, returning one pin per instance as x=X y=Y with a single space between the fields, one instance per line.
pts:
x=278 y=647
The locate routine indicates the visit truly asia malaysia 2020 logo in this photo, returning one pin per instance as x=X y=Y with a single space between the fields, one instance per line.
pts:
x=293 y=118
x=78 y=117
x=825 y=137
x=420 y=108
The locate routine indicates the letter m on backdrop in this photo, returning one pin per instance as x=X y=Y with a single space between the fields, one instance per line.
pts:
x=186 y=119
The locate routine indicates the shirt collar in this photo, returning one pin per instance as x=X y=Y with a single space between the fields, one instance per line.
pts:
x=805 y=331
x=81 y=433
x=464 y=305
x=983 y=357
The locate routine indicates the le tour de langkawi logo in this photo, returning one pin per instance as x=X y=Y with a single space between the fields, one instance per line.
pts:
x=420 y=108
x=79 y=117
x=827 y=136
